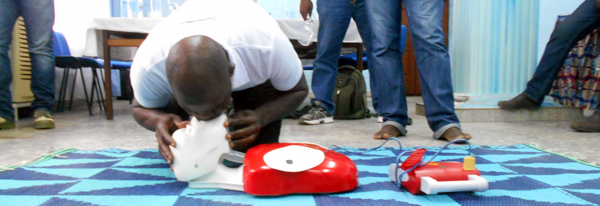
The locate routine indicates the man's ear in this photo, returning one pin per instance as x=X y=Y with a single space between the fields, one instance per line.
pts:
x=231 y=69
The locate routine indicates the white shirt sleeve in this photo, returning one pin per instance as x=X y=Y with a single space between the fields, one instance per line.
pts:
x=150 y=87
x=285 y=66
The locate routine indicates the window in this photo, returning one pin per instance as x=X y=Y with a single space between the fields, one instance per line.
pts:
x=143 y=8
x=279 y=9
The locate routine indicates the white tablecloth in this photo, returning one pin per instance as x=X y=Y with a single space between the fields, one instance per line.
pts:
x=291 y=27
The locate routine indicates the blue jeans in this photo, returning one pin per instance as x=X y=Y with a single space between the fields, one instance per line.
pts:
x=39 y=19
x=425 y=19
x=334 y=19
x=583 y=20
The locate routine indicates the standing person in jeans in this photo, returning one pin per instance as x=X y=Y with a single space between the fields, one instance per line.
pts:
x=39 y=19
x=334 y=19
x=583 y=20
x=425 y=21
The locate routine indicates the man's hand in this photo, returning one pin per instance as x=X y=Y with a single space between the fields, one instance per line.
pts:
x=306 y=7
x=598 y=4
x=167 y=124
x=246 y=126
x=353 y=1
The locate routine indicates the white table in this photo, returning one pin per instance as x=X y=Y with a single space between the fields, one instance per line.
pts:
x=98 y=41
x=291 y=28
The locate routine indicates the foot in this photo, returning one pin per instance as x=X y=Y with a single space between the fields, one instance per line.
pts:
x=6 y=124
x=43 y=119
x=387 y=132
x=589 y=124
x=316 y=115
x=521 y=101
x=454 y=133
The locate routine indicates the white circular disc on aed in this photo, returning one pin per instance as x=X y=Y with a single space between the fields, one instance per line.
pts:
x=294 y=158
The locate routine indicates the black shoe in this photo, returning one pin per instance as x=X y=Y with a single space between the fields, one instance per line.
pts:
x=316 y=115
x=521 y=101
x=590 y=124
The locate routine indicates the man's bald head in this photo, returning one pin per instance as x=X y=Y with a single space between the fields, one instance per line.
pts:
x=199 y=72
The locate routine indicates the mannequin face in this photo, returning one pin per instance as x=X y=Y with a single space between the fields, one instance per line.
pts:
x=199 y=147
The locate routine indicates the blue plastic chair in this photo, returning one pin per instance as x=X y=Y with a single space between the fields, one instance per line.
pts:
x=63 y=59
x=98 y=64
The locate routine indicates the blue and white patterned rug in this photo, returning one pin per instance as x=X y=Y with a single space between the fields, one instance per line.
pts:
x=517 y=175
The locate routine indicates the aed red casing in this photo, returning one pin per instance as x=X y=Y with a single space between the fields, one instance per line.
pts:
x=337 y=173
x=440 y=171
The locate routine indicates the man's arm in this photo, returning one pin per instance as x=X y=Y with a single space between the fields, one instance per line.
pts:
x=146 y=117
x=149 y=117
x=163 y=121
x=282 y=104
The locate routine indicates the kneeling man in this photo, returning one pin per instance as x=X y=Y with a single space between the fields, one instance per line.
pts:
x=207 y=53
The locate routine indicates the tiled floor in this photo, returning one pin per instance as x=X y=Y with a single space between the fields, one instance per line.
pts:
x=76 y=129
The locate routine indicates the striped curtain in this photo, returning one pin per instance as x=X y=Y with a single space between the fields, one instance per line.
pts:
x=493 y=45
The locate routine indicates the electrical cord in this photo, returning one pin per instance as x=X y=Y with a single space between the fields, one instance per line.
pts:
x=371 y=149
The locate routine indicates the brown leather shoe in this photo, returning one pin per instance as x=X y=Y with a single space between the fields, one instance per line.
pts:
x=521 y=101
x=589 y=124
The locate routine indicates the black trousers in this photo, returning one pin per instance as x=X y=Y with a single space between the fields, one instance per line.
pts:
x=252 y=98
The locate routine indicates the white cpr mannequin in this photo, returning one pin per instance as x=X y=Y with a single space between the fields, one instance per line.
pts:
x=197 y=156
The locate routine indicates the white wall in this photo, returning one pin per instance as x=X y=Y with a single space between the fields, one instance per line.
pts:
x=549 y=11
x=72 y=18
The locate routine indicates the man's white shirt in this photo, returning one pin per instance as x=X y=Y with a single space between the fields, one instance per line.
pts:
x=251 y=37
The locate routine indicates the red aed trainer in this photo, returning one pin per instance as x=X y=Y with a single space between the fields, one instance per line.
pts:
x=439 y=177
x=291 y=168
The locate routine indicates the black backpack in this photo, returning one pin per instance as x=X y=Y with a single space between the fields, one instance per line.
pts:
x=350 y=94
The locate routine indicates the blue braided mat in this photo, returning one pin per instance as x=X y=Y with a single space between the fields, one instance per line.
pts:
x=518 y=175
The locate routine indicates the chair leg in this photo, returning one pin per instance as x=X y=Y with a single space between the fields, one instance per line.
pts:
x=60 y=93
x=130 y=92
x=100 y=92
x=64 y=91
x=95 y=88
x=73 y=89
x=102 y=88
x=87 y=100
x=64 y=99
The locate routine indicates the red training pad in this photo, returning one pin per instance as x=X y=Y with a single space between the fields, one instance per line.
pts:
x=337 y=173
